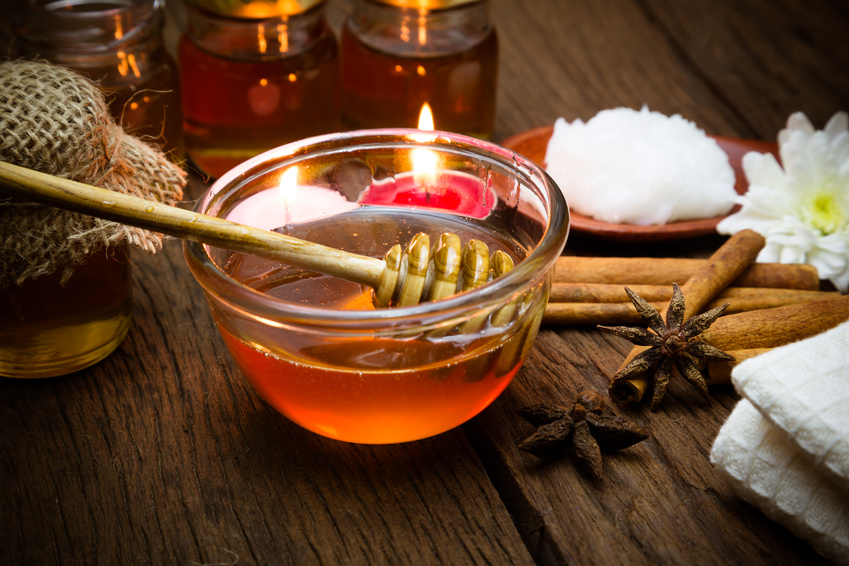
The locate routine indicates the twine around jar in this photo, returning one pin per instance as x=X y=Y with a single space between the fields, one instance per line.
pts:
x=55 y=121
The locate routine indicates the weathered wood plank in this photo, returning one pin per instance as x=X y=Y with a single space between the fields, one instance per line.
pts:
x=660 y=501
x=764 y=60
x=574 y=59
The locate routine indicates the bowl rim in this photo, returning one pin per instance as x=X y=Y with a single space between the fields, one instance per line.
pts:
x=495 y=293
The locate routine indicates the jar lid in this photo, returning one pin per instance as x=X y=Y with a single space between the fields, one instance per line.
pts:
x=427 y=4
x=255 y=9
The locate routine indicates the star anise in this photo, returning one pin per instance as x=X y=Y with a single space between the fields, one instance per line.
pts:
x=671 y=343
x=587 y=425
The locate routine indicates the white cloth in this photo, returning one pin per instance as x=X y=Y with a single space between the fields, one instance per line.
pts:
x=785 y=447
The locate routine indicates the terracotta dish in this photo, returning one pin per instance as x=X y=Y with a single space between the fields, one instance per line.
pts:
x=533 y=143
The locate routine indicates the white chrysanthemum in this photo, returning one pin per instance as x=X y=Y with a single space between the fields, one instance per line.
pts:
x=803 y=209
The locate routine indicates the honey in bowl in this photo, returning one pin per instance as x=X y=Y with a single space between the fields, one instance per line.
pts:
x=315 y=348
x=371 y=388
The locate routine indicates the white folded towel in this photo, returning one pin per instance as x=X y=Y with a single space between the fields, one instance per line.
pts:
x=785 y=447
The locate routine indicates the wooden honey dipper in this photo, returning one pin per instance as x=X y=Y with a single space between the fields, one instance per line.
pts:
x=405 y=276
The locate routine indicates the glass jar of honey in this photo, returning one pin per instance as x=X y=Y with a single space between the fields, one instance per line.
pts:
x=255 y=74
x=118 y=44
x=57 y=324
x=65 y=278
x=397 y=55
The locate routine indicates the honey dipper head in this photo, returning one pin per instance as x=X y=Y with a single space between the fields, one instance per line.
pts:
x=422 y=272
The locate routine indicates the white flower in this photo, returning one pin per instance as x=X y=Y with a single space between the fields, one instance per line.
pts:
x=803 y=209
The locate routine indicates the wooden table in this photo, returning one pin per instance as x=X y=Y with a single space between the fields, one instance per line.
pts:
x=162 y=454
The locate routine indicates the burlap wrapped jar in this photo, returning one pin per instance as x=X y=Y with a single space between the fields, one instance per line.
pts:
x=55 y=265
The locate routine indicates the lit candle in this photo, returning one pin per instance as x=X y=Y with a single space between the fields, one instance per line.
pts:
x=430 y=186
x=273 y=209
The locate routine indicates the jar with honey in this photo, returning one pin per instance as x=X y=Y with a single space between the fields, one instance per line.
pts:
x=66 y=320
x=65 y=278
x=255 y=74
x=397 y=55
x=119 y=45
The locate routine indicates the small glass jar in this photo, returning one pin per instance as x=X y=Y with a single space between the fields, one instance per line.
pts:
x=398 y=55
x=118 y=44
x=57 y=324
x=255 y=75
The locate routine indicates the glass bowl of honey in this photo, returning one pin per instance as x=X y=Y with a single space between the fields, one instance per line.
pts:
x=314 y=346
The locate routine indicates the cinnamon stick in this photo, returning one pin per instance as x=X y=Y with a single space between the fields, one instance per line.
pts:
x=719 y=371
x=615 y=293
x=752 y=334
x=770 y=328
x=714 y=275
x=665 y=271
x=583 y=313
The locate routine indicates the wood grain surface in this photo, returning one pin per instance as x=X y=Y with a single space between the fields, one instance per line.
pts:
x=162 y=454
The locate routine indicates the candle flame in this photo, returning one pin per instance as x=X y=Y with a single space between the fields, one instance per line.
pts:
x=424 y=160
x=289 y=180
x=286 y=190
x=426 y=117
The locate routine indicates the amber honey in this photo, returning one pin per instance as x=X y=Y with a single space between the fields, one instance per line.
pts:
x=394 y=61
x=248 y=86
x=53 y=327
x=370 y=388
x=144 y=100
x=377 y=405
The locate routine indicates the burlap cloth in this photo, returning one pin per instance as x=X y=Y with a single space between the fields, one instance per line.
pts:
x=55 y=121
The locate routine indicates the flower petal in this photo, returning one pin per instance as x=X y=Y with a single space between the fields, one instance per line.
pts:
x=762 y=208
x=769 y=254
x=799 y=121
x=763 y=169
x=837 y=124
x=841 y=281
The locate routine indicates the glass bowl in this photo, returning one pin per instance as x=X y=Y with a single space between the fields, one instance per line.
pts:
x=314 y=346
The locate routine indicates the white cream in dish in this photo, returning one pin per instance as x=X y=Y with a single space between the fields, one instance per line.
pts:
x=625 y=166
